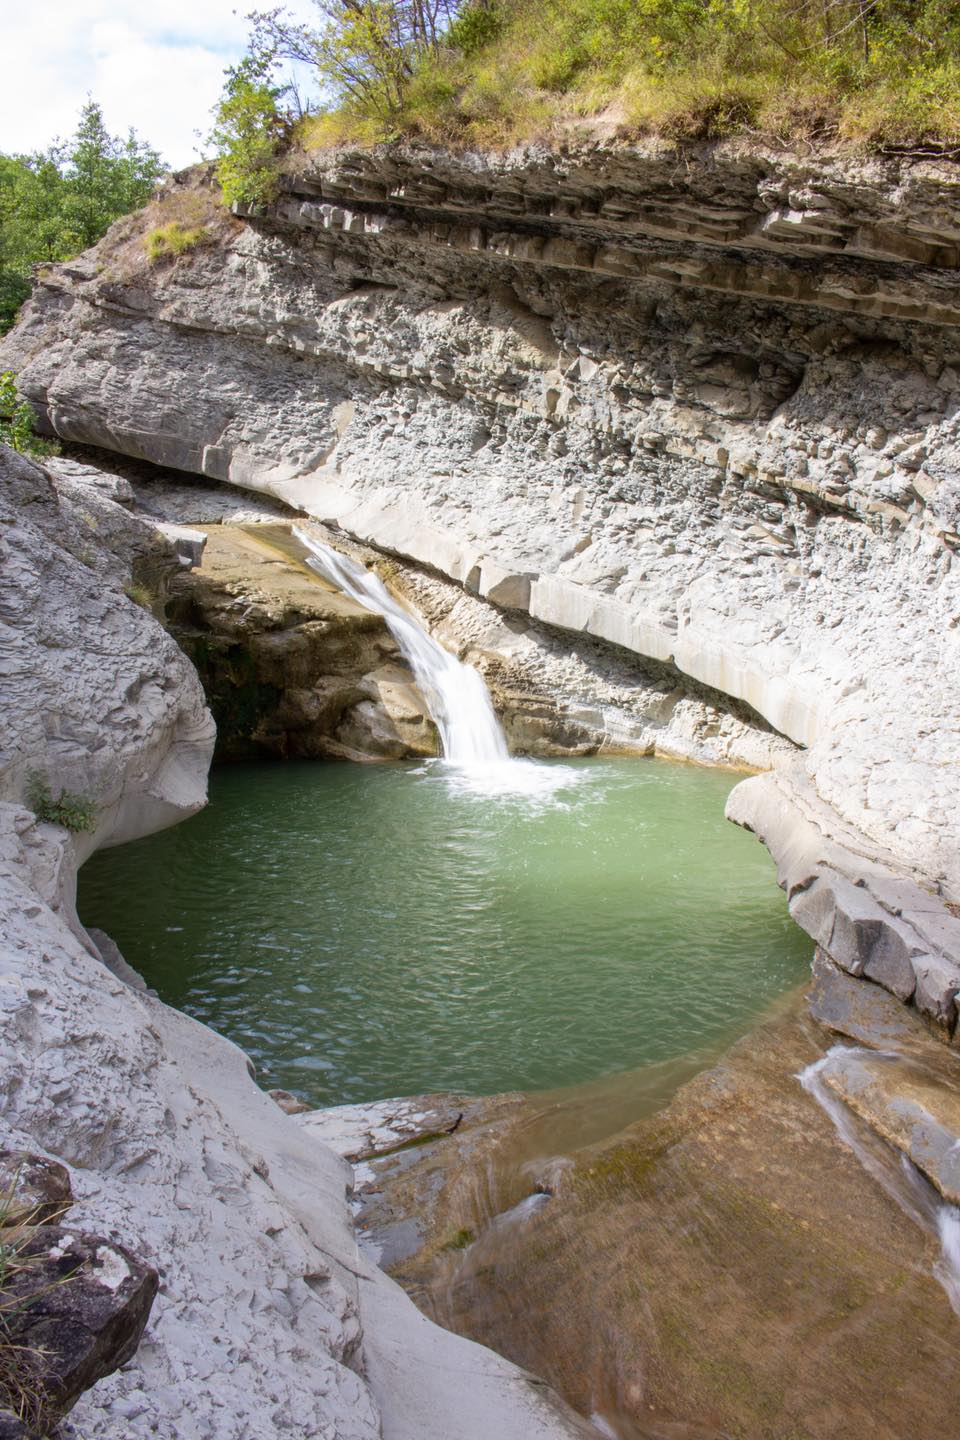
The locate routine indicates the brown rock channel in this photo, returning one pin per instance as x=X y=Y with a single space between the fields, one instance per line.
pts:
x=722 y=1267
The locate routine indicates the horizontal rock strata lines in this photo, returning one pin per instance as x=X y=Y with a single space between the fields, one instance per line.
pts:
x=703 y=408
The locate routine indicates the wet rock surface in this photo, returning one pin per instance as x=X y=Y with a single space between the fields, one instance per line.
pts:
x=291 y=667
x=867 y=1014
x=726 y=1267
x=912 y=1105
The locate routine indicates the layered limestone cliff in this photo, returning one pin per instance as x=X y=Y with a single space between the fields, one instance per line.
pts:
x=268 y=1321
x=703 y=407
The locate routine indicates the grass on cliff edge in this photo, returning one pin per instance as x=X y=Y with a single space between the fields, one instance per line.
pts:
x=880 y=75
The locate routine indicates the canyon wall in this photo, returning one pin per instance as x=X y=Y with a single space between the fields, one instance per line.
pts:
x=703 y=407
x=269 y=1321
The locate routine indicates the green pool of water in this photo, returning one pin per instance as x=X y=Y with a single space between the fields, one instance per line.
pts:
x=365 y=931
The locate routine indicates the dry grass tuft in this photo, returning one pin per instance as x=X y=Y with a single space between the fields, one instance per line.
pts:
x=22 y=1381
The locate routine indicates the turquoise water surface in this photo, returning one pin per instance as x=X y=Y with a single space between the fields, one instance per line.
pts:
x=364 y=931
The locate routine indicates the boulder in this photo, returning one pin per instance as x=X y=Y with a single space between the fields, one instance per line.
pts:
x=33 y=1188
x=77 y=1304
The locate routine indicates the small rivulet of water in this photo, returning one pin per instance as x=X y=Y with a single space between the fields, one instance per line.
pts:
x=472 y=741
x=902 y=1181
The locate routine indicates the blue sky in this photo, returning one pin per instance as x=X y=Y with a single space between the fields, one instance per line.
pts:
x=156 y=66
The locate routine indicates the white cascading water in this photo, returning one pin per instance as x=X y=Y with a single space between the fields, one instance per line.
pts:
x=470 y=735
x=903 y=1183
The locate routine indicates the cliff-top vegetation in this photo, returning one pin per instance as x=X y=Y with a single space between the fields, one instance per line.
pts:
x=57 y=202
x=875 y=74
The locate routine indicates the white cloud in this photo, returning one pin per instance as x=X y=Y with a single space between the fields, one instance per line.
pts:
x=158 y=68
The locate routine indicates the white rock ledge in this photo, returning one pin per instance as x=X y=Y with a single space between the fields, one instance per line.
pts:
x=870 y=920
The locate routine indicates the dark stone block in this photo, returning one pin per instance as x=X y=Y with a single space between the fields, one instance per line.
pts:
x=36 y=1190
x=80 y=1302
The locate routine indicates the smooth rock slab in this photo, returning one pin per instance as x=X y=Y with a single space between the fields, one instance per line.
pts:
x=911 y=1105
x=359 y=1132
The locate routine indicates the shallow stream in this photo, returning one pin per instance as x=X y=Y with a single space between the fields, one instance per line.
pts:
x=368 y=931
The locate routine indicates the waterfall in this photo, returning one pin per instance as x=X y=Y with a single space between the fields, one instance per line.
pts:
x=903 y=1183
x=458 y=699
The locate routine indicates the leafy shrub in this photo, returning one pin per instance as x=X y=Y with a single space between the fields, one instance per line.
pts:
x=884 y=74
x=477 y=25
x=249 y=132
x=17 y=421
x=55 y=203
x=71 y=810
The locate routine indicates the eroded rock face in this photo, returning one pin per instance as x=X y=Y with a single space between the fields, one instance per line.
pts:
x=97 y=699
x=707 y=413
x=240 y=615
x=293 y=668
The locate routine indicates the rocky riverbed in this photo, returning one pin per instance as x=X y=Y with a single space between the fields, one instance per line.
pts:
x=725 y=1265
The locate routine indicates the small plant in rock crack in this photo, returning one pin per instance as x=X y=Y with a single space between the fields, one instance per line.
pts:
x=141 y=595
x=71 y=810
x=17 y=421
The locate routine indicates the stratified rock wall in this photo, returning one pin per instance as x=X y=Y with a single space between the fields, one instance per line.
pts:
x=703 y=407
x=293 y=668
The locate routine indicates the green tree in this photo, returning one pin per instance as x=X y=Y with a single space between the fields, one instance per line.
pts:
x=364 y=51
x=249 y=131
x=57 y=202
x=105 y=176
x=17 y=421
x=31 y=225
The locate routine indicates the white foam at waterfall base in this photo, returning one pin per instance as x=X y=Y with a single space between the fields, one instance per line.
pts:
x=903 y=1183
x=472 y=744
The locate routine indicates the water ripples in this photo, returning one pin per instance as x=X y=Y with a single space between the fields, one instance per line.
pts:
x=365 y=931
